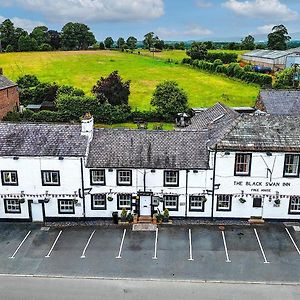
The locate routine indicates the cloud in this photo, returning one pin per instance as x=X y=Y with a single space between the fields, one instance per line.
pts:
x=94 y=10
x=262 y=9
x=26 y=24
x=265 y=28
x=190 y=31
x=203 y=4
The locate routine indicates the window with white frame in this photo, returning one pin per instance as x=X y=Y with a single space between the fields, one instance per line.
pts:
x=224 y=202
x=66 y=206
x=12 y=206
x=124 y=201
x=242 y=164
x=197 y=203
x=97 y=177
x=99 y=201
x=124 y=177
x=291 y=165
x=294 y=205
x=9 y=177
x=50 y=178
x=171 y=202
x=171 y=178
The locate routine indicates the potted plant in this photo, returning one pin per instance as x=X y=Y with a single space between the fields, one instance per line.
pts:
x=166 y=216
x=159 y=218
x=242 y=200
x=110 y=198
x=130 y=218
x=123 y=214
x=277 y=201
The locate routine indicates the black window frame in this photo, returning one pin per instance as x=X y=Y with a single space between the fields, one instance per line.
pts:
x=6 y=204
x=9 y=184
x=124 y=184
x=236 y=173
x=93 y=207
x=290 y=204
x=196 y=209
x=65 y=213
x=118 y=201
x=254 y=205
x=284 y=166
x=52 y=171
x=97 y=183
x=177 y=202
x=230 y=203
x=170 y=184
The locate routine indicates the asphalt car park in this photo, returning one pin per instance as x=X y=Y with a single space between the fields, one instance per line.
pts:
x=230 y=253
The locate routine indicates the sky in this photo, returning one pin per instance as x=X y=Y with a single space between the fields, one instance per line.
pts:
x=169 y=19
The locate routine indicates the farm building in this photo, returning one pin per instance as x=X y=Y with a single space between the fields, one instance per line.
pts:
x=276 y=60
x=9 y=95
x=279 y=102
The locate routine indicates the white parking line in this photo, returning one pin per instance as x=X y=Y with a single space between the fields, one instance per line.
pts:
x=87 y=244
x=294 y=243
x=225 y=247
x=121 y=246
x=155 y=244
x=261 y=248
x=190 y=243
x=49 y=253
x=27 y=235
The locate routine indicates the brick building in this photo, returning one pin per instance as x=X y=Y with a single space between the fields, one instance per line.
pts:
x=9 y=95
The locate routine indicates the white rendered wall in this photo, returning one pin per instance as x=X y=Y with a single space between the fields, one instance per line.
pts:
x=257 y=184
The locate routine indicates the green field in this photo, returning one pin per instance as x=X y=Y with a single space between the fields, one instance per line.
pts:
x=83 y=69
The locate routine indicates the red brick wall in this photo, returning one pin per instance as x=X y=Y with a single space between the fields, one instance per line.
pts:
x=9 y=100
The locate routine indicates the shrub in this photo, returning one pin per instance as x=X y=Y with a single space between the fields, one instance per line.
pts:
x=187 y=61
x=226 y=58
x=45 y=47
x=221 y=69
x=9 y=48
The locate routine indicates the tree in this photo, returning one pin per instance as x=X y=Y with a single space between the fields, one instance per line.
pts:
x=248 y=43
x=101 y=46
x=7 y=33
x=149 y=40
x=197 y=51
x=112 y=89
x=131 y=42
x=27 y=81
x=209 y=45
x=108 y=42
x=159 y=44
x=26 y=43
x=285 y=78
x=278 y=38
x=120 y=43
x=77 y=36
x=169 y=99
x=40 y=34
x=54 y=39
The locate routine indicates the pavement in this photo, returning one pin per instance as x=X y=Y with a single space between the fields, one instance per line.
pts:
x=88 y=289
x=268 y=253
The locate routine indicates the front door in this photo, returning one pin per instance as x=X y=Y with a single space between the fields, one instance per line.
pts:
x=37 y=212
x=145 y=205
x=258 y=206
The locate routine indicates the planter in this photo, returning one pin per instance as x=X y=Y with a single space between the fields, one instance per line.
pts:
x=123 y=219
x=242 y=200
x=165 y=220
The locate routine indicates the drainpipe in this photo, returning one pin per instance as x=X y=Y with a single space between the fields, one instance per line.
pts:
x=144 y=180
x=82 y=186
x=213 y=184
x=186 y=191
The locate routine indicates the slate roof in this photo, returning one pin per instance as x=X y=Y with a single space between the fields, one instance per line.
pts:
x=281 y=102
x=124 y=148
x=217 y=119
x=24 y=139
x=263 y=133
x=6 y=83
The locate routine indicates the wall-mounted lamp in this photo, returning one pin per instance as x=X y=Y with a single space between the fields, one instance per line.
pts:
x=227 y=153
x=152 y=171
x=269 y=154
x=16 y=157
x=61 y=158
x=195 y=171
x=110 y=170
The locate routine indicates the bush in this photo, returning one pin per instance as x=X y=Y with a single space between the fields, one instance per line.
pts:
x=187 y=61
x=69 y=90
x=45 y=47
x=226 y=58
x=221 y=69
x=9 y=48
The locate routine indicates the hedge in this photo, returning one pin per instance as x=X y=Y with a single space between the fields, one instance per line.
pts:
x=232 y=70
x=226 y=58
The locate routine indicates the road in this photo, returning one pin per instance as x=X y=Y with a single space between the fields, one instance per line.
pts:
x=33 y=288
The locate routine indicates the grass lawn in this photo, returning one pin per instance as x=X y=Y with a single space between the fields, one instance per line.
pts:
x=82 y=69
x=151 y=126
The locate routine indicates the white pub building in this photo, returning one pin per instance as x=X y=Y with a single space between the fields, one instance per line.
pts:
x=224 y=165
